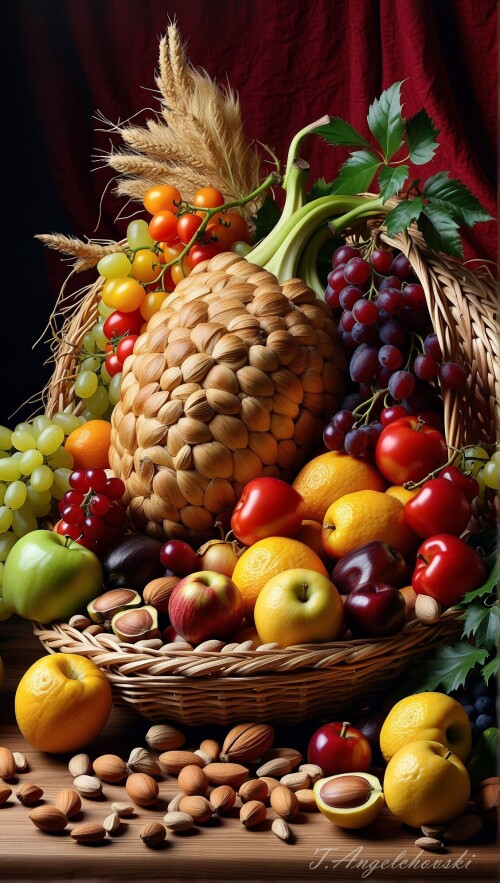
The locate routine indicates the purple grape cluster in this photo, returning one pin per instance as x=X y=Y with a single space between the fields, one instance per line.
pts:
x=395 y=361
x=479 y=702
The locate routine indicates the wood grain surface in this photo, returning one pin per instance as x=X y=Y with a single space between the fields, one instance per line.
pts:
x=219 y=850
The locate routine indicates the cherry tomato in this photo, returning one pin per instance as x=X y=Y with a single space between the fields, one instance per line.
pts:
x=119 y=323
x=468 y=485
x=409 y=450
x=125 y=347
x=187 y=226
x=161 y=197
x=152 y=303
x=163 y=226
x=179 y=272
x=201 y=252
x=208 y=197
x=126 y=294
x=268 y=507
x=222 y=235
x=178 y=557
x=439 y=507
x=145 y=266
x=238 y=227
x=67 y=530
x=113 y=365
x=172 y=251
x=389 y=415
x=447 y=568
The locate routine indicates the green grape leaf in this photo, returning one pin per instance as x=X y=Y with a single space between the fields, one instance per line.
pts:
x=339 y=132
x=319 y=188
x=491 y=668
x=441 y=190
x=386 y=121
x=357 y=173
x=448 y=668
x=400 y=217
x=420 y=138
x=440 y=230
x=266 y=218
x=391 y=180
x=483 y=623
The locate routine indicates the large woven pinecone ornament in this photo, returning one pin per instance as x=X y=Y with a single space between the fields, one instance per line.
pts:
x=234 y=378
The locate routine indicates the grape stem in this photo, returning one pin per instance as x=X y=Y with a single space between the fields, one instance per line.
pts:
x=365 y=414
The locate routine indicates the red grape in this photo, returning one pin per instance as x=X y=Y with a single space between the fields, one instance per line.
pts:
x=401 y=267
x=381 y=260
x=357 y=270
x=78 y=481
x=452 y=376
x=96 y=479
x=333 y=438
x=390 y=357
x=178 y=557
x=425 y=367
x=114 y=488
x=343 y=254
x=401 y=385
x=356 y=442
x=365 y=311
x=98 y=505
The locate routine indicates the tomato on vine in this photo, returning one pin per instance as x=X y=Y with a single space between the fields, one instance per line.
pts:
x=208 y=197
x=163 y=226
x=161 y=197
x=145 y=266
x=187 y=225
x=118 y=324
x=126 y=347
x=222 y=235
x=113 y=365
x=201 y=252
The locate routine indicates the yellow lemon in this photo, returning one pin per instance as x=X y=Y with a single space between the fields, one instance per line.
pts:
x=332 y=475
x=401 y=493
x=267 y=558
x=431 y=716
x=62 y=702
x=426 y=784
x=362 y=517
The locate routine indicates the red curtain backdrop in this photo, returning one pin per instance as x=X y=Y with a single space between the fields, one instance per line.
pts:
x=290 y=63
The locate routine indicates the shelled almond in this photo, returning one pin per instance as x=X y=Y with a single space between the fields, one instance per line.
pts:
x=7 y=763
x=68 y=801
x=88 y=832
x=222 y=798
x=192 y=780
x=110 y=768
x=174 y=761
x=142 y=789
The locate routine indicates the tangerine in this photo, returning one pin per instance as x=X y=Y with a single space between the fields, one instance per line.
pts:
x=362 y=517
x=330 y=476
x=267 y=558
x=89 y=445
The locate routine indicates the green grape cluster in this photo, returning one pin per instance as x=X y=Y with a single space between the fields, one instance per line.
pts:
x=483 y=464
x=34 y=471
x=93 y=385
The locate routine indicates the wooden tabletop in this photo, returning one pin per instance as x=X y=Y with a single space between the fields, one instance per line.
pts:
x=219 y=850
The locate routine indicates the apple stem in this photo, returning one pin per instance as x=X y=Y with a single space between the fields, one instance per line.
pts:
x=345 y=727
x=447 y=755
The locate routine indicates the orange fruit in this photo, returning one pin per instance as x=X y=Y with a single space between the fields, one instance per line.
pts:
x=330 y=476
x=401 y=493
x=89 y=445
x=362 y=517
x=62 y=702
x=265 y=559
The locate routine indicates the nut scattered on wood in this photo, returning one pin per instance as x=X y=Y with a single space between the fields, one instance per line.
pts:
x=88 y=832
x=163 y=737
x=153 y=833
x=192 y=780
x=204 y=756
x=88 y=786
x=306 y=799
x=142 y=789
x=198 y=807
x=21 y=762
x=111 y=823
x=247 y=742
x=277 y=766
x=7 y=763
x=110 y=768
x=29 y=794
x=174 y=761
x=222 y=798
x=142 y=761
x=178 y=821
x=294 y=781
x=233 y=774
x=173 y=806
x=464 y=828
x=212 y=748
x=487 y=797
x=433 y=831
x=123 y=809
x=80 y=765
x=427 y=609
x=314 y=771
x=431 y=844
x=48 y=818
x=253 y=789
x=282 y=830
x=271 y=783
x=68 y=801
x=252 y=813
x=284 y=802
x=5 y=793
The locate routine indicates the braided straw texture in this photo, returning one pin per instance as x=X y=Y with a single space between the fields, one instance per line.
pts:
x=291 y=686
x=234 y=378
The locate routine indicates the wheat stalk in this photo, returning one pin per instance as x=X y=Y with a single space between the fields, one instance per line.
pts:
x=87 y=254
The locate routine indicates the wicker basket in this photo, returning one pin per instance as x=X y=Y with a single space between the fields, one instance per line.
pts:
x=307 y=682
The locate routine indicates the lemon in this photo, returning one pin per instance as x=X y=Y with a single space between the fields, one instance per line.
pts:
x=330 y=476
x=431 y=716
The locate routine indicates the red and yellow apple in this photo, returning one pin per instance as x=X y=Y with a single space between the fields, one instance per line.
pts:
x=205 y=605
x=298 y=606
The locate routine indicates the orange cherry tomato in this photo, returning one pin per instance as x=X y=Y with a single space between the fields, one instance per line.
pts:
x=161 y=197
x=238 y=227
x=151 y=304
x=145 y=266
x=208 y=197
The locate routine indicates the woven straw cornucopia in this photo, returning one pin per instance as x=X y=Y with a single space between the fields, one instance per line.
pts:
x=233 y=379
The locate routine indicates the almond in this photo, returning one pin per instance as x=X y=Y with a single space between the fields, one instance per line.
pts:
x=222 y=798
x=80 y=765
x=204 y=756
x=277 y=766
x=192 y=780
x=68 y=801
x=7 y=764
x=142 y=761
x=178 y=821
x=297 y=780
x=28 y=794
x=252 y=813
x=314 y=771
x=196 y=806
x=281 y=829
x=233 y=774
x=88 y=832
x=427 y=609
x=157 y=593
x=173 y=805
x=270 y=782
x=465 y=828
x=212 y=748
x=435 y=831
x=163 y=737
x=284 y=802
x=110 y=768
x=111 y=823
x=431 y=844
x=306 y=799
x=48 y=818
x=174 y=761
x=153 y=833
x=247 y=742
x=20 y=761
x=5 y=793
x=290 y=754
x=345 y=791
x=253 y=789
x=142 y=789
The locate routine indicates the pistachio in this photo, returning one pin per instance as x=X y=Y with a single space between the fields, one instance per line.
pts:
x=123 y=809
x=20 y=761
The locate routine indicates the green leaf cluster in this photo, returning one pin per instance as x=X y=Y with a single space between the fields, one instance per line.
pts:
x=439 y=209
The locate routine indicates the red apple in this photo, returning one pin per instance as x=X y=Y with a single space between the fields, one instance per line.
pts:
x=371 y=562
x=375 y=610
x=205 y=605
x=339 y=748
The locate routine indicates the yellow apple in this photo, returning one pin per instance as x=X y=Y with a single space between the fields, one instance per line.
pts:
x=298 y=606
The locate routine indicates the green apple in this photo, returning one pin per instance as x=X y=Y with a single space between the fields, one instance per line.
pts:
x=47 y=577
x=298 y=606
